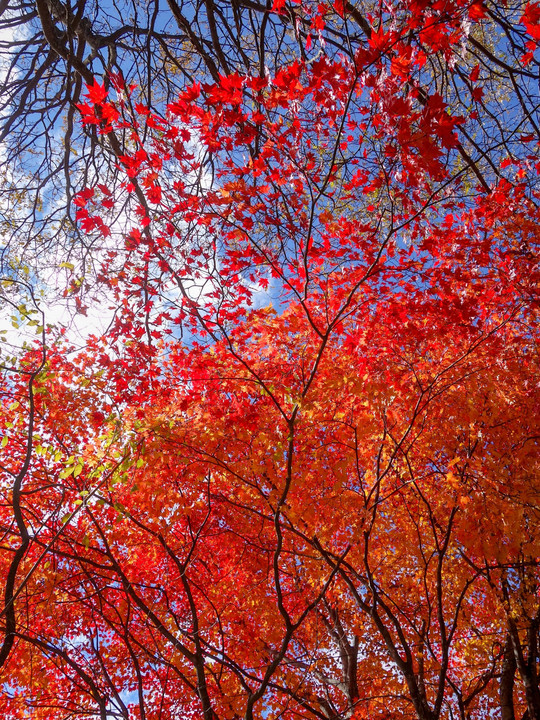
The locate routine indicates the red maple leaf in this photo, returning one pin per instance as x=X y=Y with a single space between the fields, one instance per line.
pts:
x=96 y=93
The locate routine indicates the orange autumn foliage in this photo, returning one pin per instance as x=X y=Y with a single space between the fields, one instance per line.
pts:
x=298 y=477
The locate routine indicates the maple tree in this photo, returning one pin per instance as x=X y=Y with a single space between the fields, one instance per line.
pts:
x=298 y=475
x=51 y=48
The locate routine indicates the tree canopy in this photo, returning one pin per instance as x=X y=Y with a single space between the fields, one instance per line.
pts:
x=298 y=475
x=479 y=57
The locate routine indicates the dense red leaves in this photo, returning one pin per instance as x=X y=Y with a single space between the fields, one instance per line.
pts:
x=298 y=477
